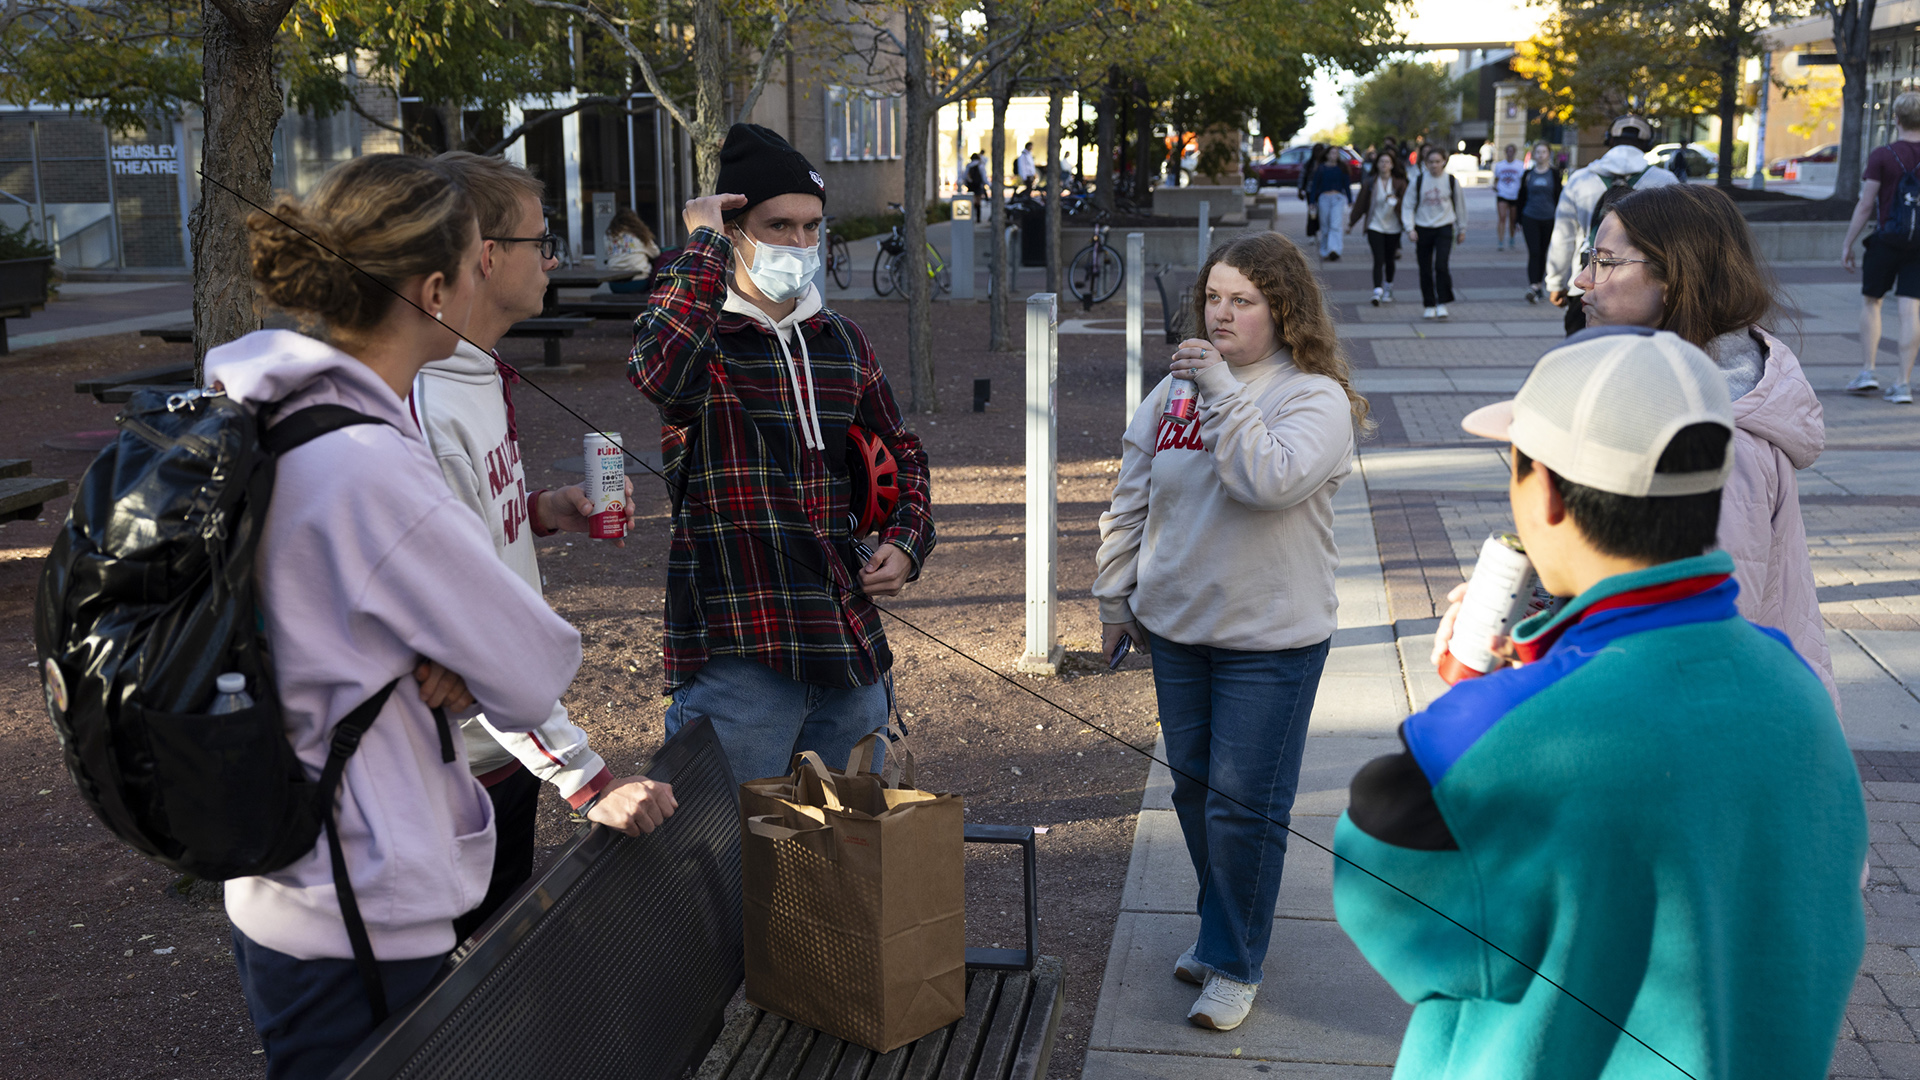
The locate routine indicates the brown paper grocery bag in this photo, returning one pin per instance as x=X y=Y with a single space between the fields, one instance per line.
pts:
x=855 y=900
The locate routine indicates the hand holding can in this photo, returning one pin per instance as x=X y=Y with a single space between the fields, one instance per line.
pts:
x=1497 y=596
x=606 y=485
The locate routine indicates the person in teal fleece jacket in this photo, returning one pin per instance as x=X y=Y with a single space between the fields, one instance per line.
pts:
x=1638 y=851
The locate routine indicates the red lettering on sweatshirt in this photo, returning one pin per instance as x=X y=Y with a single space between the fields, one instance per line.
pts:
x=1179 y=437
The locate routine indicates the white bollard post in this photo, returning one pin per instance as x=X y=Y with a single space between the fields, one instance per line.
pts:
x=1043 y=457
x=1136 y=318
x=960 y=241
x=1206 y=211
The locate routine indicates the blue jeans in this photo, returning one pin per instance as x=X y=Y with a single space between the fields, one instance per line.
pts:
x=763 y=718
x=1235 y=722
x=310 y=1014
x=1333 y=222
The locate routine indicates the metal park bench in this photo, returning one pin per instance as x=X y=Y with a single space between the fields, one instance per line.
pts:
x=626 y=306
x=620 y=961
x=22 y=494
x=181 y=334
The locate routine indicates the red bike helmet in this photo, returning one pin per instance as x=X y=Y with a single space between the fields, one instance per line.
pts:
x=876 y=480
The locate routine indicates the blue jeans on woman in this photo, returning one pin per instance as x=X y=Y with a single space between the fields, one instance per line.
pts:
x=1236 y=727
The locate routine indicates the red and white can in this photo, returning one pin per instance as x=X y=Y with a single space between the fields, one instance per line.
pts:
x=1182 y=400
x=606 y=485
x=1499 y=594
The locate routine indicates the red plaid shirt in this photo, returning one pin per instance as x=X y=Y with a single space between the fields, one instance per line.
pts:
x=779 y=589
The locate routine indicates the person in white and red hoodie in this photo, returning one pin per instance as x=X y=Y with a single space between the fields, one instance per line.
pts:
x=464 y=407
x=368 y=569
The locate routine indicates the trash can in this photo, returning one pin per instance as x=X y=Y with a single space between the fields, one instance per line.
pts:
x=1032 y=214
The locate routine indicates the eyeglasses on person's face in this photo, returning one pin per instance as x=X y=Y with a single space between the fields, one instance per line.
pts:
x=1599 y=267
x=549 y=243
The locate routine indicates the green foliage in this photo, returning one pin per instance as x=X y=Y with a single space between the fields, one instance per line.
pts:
x=1405 y=99
x=20 y=244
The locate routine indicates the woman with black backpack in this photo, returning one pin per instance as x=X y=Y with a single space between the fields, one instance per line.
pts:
x=370 y=571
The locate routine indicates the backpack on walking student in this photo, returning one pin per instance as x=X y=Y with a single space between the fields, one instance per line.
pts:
x=146 y=599
x=1618 y=187
x=1899 y=227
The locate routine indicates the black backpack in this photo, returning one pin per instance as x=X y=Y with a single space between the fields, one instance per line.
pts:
x=146 y=598
x=1899 y=227
x=1618 y=187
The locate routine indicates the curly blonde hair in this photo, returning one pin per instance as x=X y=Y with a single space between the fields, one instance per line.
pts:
x=1276 y=267
x=390 y=216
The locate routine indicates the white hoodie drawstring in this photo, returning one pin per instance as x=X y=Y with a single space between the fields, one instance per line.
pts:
x=806 y=399
x=813 y=392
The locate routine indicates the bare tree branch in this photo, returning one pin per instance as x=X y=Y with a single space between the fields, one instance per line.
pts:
x=640 y=59
x=775 y=47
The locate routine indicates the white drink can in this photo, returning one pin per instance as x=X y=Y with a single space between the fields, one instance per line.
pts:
x=1499 y=594
x=606 y=485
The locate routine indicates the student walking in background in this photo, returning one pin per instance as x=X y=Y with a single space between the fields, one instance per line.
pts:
x=1436 y=216
x=1327 y=190
x=1506 y=193
x=630 y=250
x=1217 y=557
x=1892 y=259
x=1539 y=197
x=1681 y=258
x=1378 y=209
x=368 y=565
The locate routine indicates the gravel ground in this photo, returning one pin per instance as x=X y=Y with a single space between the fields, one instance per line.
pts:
x=113 y=972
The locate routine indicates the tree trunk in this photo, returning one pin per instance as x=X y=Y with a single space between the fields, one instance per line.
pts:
x=999 y=337
x=1142 y=143
x=924 y=397
x=1104 y=166
x=243 y=105
x=1729 y=73
x=1054 y=95
x=709 y=106
x=1852 y=24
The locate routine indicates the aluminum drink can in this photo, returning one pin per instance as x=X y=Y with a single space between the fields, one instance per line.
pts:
x=606 y=485
x=1182 y=401
x=1499 y=594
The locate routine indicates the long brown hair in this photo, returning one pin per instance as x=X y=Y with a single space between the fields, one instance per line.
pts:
x=1300 y=317
x=1700 y=248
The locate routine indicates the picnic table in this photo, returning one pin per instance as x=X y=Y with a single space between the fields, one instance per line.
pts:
x=576 y=278
x=22 y=494
x=121 y=387
x=551 y=329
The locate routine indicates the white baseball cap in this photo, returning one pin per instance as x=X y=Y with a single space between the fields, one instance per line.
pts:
x=1600 y=408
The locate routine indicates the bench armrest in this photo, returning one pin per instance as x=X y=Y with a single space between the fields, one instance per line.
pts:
x=1011 y=959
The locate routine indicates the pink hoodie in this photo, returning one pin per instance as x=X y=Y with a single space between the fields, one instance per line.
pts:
x=367 y=562
x=1778 y=428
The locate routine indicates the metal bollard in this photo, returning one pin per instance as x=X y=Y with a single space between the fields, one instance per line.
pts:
x=960 y=240
x=1205 y=234
x=1136 y=318
x=1043 y=653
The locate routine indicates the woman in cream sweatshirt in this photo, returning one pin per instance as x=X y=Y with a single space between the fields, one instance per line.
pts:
x=1217 y=556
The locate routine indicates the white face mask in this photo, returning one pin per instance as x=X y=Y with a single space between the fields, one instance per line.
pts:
x=781 y=273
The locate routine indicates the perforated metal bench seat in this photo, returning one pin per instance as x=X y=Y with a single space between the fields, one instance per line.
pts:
x=1007 y=1034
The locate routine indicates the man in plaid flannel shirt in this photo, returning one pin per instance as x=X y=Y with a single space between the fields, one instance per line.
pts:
x=769 y=630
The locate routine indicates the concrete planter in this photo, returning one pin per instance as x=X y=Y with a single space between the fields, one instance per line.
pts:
x=1798 y=241
x=1223 y=203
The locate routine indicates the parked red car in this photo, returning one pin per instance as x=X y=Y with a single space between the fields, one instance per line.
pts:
x=1829 y=152
x=1283 y=169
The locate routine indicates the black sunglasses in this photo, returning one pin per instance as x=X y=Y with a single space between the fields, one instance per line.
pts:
x=548 y=243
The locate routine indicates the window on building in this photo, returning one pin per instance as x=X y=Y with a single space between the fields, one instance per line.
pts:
x=862 y=126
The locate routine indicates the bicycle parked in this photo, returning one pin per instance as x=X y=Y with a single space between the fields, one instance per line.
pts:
x=890 y=263
x=839 y=257
x=1097 y=270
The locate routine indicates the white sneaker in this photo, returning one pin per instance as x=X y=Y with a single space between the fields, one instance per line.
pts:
x=1533 y=295
x=1863 y=383
x=1376 y=296
x=1900 y=394
x=1223 y=1004
x=1386 y=295
x=1190 y=970
x=1440 y=312
x=1426 y=313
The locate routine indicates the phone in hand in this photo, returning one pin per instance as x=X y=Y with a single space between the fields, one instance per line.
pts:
x=1120 y=652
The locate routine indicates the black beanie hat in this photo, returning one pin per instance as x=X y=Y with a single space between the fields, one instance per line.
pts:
x=758 y=163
